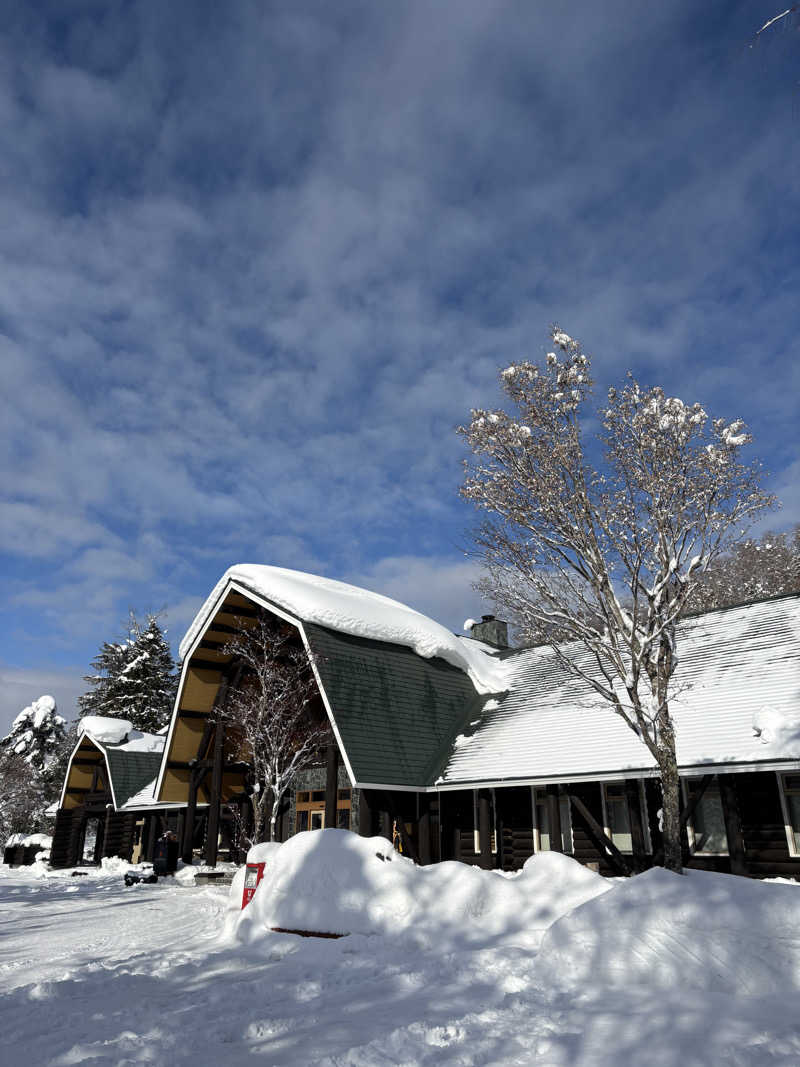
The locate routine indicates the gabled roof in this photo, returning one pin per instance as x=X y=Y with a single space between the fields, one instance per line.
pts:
x=130 y=763
x=413 y=706
x=737 y=667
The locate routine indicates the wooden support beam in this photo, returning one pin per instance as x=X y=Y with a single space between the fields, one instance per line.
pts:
x=733 y=824
x=554 y=818
x=221 y=628
x=424 y=828
x=207 y=664
x=598 y=835
x=484 y=830
x=237 y=611
x=190 y=713
x=638 y=845
x=331 y=784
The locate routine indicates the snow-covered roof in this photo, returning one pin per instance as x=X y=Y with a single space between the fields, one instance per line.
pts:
x=131 y=757
x=119 y=734
x=741 y=705
x=350 y=610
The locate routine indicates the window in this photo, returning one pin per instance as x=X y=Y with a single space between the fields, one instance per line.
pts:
x=541 y=822
x=617 y=816
x=706 y=828
x=310 y=809
x=789 y=785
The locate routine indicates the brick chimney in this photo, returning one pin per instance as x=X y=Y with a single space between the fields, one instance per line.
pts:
x=491 y=631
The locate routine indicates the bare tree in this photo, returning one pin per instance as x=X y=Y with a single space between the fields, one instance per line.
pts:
x=273 y=714
x=604 y=557
x=754 y=569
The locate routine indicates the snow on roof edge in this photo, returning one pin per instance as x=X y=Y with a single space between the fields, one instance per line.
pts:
x=355 y=611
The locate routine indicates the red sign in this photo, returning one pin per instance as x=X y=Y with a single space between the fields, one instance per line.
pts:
x=252 y=876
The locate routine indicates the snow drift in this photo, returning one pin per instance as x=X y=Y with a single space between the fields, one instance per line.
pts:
x=704 y=931
x=333 y=881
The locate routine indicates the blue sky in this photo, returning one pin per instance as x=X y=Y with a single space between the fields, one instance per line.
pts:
x=258 y=260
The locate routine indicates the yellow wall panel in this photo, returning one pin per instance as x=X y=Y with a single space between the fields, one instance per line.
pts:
x=200 y=689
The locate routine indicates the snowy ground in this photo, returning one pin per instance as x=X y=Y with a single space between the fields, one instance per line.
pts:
x=94 y=972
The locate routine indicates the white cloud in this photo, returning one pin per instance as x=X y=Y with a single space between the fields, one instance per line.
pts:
x=19 y=687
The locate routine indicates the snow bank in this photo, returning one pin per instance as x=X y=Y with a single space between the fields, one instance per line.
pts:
x=105 y=730
x=333 y=881
x=703 y=931
x=351 y=610
x=27 y=840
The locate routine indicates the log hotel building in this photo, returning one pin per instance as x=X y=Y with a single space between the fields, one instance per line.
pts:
x=461 y=747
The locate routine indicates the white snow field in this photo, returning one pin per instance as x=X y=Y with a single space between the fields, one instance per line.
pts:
x=442 y=965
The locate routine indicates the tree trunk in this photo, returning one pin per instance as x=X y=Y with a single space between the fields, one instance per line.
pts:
x=671 y=810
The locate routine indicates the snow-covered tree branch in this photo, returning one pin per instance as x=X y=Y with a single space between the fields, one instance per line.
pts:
x=602 y=558
x=273 y=714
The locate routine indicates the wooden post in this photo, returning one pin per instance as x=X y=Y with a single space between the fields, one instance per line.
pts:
x=365 y=814
x=188 y=823
x=635 y=817
x=554 y=818
x=331 y=784
x=484 y=830
x=733 y=824
x=215 y=799
x=424 y=828
x=152 y=831
x=385 y=822
x=101 y=836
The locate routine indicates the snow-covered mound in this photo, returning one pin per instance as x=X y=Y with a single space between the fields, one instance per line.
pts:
x=704 y=931
x=333 y=881
x=106 y=730
x=351 y=610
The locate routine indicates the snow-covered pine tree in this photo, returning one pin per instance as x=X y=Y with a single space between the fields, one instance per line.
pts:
x=23 y=798
x=605 y=557
x=134 y=679
x=36 y=734
x=29 y=755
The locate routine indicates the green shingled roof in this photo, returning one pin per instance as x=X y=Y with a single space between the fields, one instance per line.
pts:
x=130 y=771
x=397 y=713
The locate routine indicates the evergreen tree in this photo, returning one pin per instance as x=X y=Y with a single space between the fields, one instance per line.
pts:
x=23 y=798
x=134 y=679
x=30 y=775
x=36 y=734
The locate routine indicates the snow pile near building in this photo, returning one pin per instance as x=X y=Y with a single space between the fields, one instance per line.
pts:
x=701 y=931
x=26 y=840
x=106 y=730
x=333 y=881
x=348 y=609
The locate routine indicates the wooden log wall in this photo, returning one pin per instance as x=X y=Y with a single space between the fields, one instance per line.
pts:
x=119 y=832
x=66 y=837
